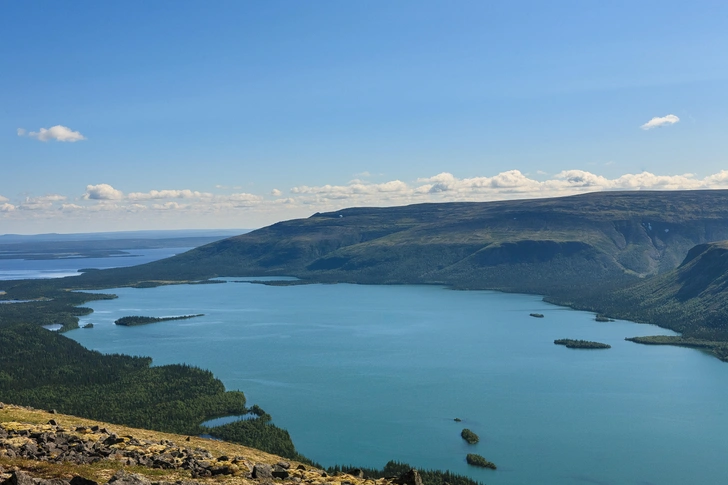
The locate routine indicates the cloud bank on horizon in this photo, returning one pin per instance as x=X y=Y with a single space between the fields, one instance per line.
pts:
x=186 y=207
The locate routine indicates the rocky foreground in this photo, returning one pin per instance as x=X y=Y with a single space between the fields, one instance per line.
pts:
x=64 y=450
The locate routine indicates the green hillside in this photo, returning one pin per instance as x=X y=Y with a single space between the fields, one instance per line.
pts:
x=541 y=246
x=692 y=299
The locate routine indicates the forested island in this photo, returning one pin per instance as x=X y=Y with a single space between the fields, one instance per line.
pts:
x=135 y=320
x=477 y=460
x=469 y=436
x=581 y=344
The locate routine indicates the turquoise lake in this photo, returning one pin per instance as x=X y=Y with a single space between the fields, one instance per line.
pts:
x=365 y=374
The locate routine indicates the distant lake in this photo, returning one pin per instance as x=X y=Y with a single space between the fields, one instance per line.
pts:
x=364 y=374
x=18 y=269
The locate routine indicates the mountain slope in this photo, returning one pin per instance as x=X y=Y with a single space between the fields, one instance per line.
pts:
x=692 y=298
x=543 y=245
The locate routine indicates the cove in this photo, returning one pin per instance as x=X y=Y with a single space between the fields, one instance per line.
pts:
x=364 y=374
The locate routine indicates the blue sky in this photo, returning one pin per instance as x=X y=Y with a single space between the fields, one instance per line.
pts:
x=238 y=114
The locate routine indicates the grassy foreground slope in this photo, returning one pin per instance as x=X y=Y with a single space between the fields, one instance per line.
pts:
x=539 y=246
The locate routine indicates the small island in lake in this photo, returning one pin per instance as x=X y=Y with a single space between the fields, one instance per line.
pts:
x=137 y=320
x=581 y=344
x=537 y=315
x=602 y=318
x=469 y=436
x=477 y=460
x=88 y=325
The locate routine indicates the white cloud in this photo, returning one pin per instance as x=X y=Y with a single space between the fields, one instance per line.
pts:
x=169 y=206
x=169 y=194
x=58 y=133
x=3 y=199
x=242 y=199
x=355 y=189
x=40 y=203
x=511 y=184
x=71 y=207
x=276 y=193
x=660 y=121
x=103 y=204
x=102 y=192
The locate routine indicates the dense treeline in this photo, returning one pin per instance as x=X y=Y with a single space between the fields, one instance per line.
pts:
x=581 y=344
x=259 y=433
x=477 y=460
x=135 y=320
x=396 y=469
x=47 y=305
x=45 y=370
x=719 y=349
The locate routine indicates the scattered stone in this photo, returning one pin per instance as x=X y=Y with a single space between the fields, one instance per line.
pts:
x=284 y=464
x=79 y=480
x=412 y=477
x=123 y=478
x=53 y=422
x=280 y=472
x=262 y=471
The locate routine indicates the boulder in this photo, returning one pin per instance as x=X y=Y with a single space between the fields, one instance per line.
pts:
x=412 y=477
x=280 y=472
x=262 y=471
x=19 y=478
x=123 y=478
x=79 y=480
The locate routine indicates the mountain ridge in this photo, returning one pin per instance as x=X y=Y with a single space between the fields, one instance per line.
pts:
x=531 y=246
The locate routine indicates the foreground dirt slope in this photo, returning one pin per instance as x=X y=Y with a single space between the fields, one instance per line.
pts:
x=45 y=448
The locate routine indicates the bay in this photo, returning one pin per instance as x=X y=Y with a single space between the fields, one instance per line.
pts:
x=364 y=374
x=17 y=269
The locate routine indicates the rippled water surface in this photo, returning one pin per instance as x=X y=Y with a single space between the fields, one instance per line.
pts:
x=365 y=374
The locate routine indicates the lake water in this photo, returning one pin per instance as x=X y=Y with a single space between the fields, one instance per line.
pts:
x=364 y=374
x=18 y=269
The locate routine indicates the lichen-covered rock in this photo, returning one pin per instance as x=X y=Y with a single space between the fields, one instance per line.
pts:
x=262 y=471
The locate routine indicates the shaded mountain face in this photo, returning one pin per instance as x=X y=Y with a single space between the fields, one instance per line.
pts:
x=692 y=298
x=523 y=245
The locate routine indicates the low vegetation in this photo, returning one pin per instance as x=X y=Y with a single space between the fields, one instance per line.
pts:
x=138 y=320
x=469 y=436
x=396 y=469
x=581 y=344
x=719 y=349
x=477 y=460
